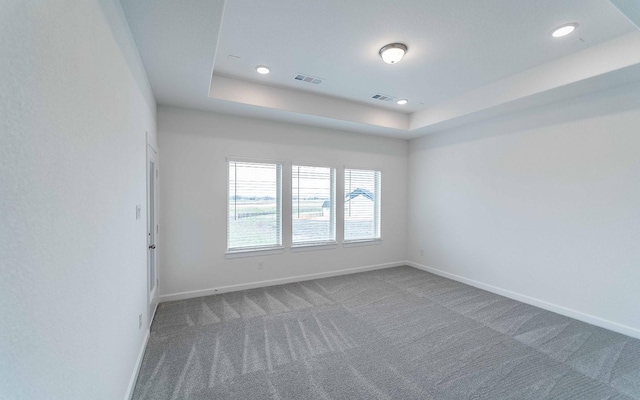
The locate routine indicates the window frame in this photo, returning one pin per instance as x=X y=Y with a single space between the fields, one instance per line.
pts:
x=256 y=250
x=377 y=216
x=320 y=244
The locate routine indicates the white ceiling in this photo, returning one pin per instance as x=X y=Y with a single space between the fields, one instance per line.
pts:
x=467 y=60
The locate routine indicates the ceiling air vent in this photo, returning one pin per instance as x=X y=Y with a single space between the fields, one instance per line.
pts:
x=308 y=79
x=383 y=97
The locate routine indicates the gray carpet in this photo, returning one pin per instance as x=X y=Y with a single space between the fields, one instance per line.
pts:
x=397 y=333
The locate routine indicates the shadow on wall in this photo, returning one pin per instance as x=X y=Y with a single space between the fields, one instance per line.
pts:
x=128 y=48
x=254 y=130
x=614 y=100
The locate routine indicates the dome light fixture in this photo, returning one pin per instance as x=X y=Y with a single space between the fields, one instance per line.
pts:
x=262 y=69
x=402 y=102
x=393 y=53
x=564 y=30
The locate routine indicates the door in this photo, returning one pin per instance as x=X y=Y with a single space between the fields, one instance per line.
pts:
x=152 y=230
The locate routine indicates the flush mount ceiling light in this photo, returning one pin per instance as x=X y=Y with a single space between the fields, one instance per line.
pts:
x=564 y=30
x=392 y=53
x=262 y=69
x=402 y=102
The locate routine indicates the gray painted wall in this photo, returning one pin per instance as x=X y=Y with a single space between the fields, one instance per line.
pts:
x=193 y=193
x=543 y=205
x=75 y=105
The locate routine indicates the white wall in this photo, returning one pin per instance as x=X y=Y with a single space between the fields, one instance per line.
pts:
x=544 y=203
x=74 y=108
x=194 y=197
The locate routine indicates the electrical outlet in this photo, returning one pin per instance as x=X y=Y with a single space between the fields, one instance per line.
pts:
x=260 y=265
x=140 y=321
x=138 y=211
x=422 y=252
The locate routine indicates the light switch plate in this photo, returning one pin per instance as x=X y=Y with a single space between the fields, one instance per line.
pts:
x=138 y=211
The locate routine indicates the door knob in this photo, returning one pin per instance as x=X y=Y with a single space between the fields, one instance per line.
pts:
x=153 y=246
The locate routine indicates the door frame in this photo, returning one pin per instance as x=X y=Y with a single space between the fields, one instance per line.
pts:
x=152 y=259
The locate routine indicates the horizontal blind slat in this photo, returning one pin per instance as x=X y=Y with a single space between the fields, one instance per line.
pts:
x=254 y=208
x=362 y=204
x=313 y=204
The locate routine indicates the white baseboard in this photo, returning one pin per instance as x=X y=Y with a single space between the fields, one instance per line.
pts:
x=272 y=282
x=136 y=368
x=588 y=318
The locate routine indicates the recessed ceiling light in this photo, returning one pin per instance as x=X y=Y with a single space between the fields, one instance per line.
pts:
x=402 y=101
x=564 y=30
x=392 y=53
x=262 y=69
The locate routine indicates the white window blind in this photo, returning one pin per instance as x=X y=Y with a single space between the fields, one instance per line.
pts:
x=254 y=216
x=313 y=204
x=361 y=204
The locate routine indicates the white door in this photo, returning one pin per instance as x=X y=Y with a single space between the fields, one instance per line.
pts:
x=152 y=230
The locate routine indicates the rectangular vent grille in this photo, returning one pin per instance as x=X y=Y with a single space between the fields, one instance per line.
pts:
x=383 y=97
x=308 y=79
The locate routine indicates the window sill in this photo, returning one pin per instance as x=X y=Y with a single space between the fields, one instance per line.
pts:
x=313 y=246
x=363 y=242
x=254 y=252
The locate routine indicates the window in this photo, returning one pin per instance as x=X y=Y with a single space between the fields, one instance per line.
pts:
x=313 y=205
x=254 y=213
x=361 y=204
